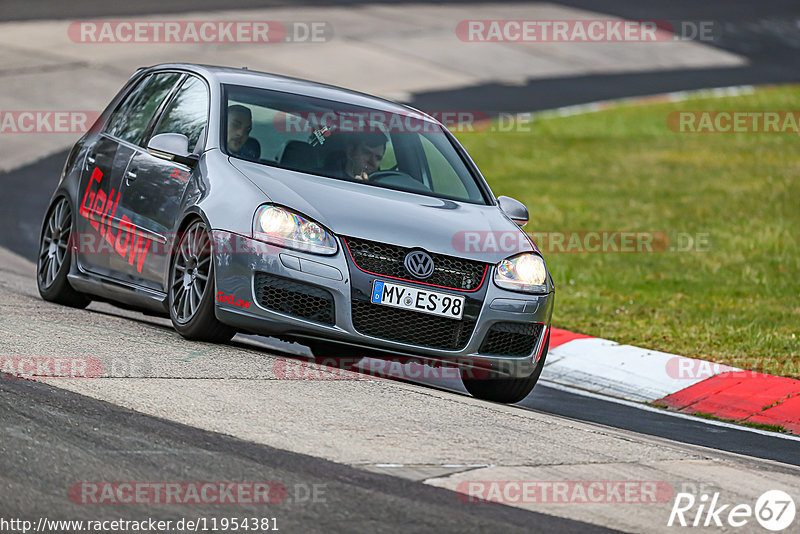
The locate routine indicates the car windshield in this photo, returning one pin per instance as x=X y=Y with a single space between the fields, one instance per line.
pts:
x=394 y=150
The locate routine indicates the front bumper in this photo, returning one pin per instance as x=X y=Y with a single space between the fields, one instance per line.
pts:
x=242 y=264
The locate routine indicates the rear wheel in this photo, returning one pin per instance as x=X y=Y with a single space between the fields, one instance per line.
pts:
x=55 y=258
x=191 y=288
x=506 y=390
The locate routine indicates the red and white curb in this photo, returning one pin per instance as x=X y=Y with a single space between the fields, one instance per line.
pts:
x=687 y=385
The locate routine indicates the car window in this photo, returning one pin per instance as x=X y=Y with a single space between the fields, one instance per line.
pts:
x=400 y=149
x=187 y=113
x=389 y=159
x=272 y=144
x=130 y=119
x=442 y=174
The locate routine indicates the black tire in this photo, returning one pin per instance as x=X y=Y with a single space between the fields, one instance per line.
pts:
x=55 y=257
x=506 y=390
x=191 y=298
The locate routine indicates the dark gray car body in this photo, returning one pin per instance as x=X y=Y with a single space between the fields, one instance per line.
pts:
x=225 y=192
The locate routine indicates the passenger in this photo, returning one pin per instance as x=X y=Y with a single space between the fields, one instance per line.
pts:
x=240 y=123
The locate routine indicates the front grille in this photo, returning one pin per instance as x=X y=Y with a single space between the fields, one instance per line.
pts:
x=294 y=298
x=389 y=260
x=511 y=339
x=406 y=326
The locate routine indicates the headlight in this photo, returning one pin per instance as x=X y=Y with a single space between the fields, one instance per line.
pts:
x=524 y=272
x=284 y=228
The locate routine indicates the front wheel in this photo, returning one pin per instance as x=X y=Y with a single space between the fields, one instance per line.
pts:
x=55 y=258
x=506 y=390
x=191 y=288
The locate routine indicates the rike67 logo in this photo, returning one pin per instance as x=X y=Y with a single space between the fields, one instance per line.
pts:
x=774 y=510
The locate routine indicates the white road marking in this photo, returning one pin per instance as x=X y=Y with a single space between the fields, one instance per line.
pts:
x=648 y=408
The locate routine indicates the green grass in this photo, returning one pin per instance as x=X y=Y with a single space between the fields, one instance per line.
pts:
x=624 y=169
x=761 y=426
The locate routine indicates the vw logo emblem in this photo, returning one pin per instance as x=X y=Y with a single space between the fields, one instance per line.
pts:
x=419 y=264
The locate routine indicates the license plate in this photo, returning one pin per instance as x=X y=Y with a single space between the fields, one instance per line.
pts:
x=421 y=300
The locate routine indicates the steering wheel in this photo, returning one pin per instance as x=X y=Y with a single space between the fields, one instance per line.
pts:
x=398 y=179
x=384 y=174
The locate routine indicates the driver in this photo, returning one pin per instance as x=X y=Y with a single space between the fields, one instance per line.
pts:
x=363 y=155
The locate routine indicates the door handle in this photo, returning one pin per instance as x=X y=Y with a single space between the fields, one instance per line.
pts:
x=90 y=160
x=131 y=175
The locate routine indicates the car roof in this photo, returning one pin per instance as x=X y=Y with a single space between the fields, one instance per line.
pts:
x=276 y=82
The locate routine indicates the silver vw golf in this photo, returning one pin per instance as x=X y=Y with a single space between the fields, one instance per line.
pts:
x=237 y=201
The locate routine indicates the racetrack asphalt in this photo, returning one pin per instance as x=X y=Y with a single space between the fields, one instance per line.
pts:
x=423 y=434
x=19 y=209
x=766 y=33
x=771 y=50
x=51 y=446
x=54 y=439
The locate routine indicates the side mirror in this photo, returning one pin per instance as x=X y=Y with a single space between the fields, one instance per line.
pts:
x=515 y=209
x=172 y=147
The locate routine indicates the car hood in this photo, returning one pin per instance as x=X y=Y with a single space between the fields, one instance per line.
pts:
x=482 y=233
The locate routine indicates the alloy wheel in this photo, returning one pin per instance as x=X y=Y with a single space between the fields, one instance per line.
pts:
x=55 y=242
x=191 y=272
